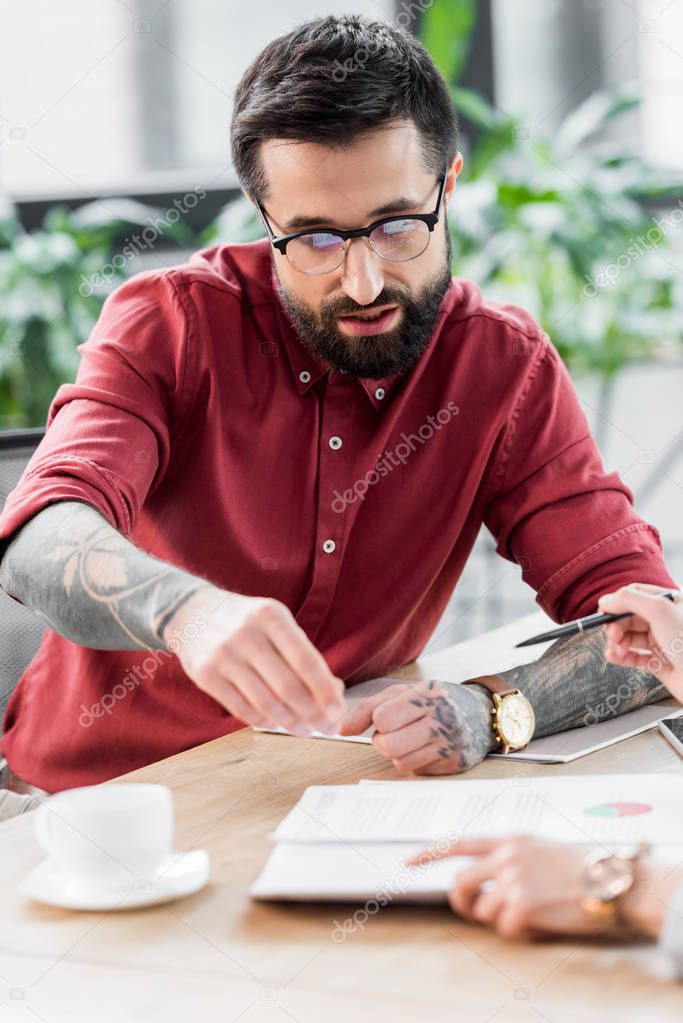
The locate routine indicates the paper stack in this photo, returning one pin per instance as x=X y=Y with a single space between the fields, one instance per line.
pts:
x=350 y=842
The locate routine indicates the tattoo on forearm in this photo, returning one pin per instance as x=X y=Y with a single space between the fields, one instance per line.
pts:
x=572 y=685
x=90 y=583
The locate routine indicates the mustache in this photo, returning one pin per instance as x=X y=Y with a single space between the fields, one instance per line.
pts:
x=333 y=311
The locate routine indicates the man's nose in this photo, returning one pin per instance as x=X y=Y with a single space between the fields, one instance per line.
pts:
x=362 y=279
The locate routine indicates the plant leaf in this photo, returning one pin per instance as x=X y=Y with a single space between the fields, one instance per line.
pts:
x=478 y=110
x=446 y=29
x=590 y=116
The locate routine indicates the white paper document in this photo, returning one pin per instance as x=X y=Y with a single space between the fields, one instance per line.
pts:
x=350 y=842
x=575 y=808
x=365 y=738
x=353 y=873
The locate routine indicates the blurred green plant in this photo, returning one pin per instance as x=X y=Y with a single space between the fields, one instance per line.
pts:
x=564 y=225
x=49 y=304
x=445 y=28
x=549 y=223
x=237 y=222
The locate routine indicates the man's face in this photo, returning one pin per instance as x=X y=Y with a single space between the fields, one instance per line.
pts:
x=320 y=186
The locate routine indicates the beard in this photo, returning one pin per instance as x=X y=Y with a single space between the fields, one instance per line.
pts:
x=379 y=355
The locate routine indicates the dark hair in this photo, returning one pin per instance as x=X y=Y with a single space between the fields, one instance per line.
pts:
x=333 y=81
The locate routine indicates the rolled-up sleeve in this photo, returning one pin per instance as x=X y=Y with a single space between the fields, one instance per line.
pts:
x=554 y=510
x=108 y=435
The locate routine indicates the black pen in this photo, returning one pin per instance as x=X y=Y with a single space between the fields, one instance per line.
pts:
x=581 y=624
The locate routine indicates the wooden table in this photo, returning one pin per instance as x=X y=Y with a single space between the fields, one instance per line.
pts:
x=217 y=956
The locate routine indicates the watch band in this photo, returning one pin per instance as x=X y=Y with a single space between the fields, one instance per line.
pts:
x=494 y=684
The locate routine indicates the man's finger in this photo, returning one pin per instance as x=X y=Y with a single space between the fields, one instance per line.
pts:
x=225 y=693
x=289 y=690
x=398 y=713
x=359 y=717
x=419 y=759
x=405 y=740
x=307 y=663
x=455 y=763
x=253 y=689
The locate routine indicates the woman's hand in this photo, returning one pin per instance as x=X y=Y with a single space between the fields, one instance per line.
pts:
x=535 y=887
x=651 y=638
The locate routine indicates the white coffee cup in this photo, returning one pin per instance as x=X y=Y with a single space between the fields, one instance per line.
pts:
x=108 y=835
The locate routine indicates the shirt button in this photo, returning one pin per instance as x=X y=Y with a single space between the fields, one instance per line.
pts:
x=304 y=376
x=335 y=443
x=379 y=393
x=329 y=546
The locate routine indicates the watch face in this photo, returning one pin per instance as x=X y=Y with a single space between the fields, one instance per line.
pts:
x=609 y=877
x=516 y=720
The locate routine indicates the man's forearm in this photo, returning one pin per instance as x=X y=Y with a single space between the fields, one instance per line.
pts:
x=90 y=583
x=572 y=685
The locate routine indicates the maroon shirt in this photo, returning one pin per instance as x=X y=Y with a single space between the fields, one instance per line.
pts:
x=202 y=429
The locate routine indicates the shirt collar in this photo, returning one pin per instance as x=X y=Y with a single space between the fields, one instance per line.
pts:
x=307 y=368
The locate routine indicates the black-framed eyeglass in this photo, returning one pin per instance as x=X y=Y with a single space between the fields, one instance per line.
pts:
x=322 y=251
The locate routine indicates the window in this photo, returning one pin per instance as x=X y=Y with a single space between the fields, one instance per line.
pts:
x=131 y=95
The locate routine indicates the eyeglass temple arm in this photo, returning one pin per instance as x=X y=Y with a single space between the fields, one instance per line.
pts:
x=264 y=218
x=441 y=191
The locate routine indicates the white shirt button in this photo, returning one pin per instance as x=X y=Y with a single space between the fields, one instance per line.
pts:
x=379 y=393
x=335 y=443
x=304 y=376
x=329 y=546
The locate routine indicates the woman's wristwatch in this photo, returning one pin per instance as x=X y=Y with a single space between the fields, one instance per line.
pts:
x=607 y=878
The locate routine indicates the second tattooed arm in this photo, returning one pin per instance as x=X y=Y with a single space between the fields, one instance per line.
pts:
x=438 y=727
x=572 y=685
x=95 y=587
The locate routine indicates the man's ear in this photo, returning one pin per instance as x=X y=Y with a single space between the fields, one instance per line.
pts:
x=451 y=177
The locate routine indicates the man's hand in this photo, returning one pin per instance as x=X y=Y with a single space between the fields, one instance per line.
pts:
x=427 y=727
x=257 y=662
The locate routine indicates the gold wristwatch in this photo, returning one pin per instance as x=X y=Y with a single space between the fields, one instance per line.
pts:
x=606 y=879
x=512 y=715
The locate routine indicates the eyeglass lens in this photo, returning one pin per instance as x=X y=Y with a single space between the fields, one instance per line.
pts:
x=321 y=251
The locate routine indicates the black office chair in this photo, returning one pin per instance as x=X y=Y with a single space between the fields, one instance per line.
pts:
x=20 y=629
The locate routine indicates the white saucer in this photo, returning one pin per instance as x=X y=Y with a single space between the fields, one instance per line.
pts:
x=181 y=874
